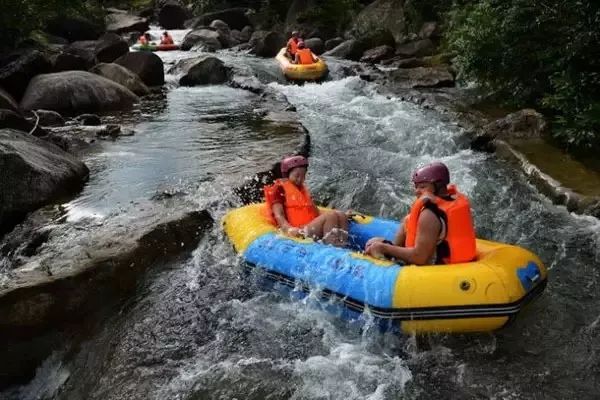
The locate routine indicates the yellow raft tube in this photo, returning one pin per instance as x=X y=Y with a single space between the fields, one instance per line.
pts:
x=301 y=72
x=483 y=295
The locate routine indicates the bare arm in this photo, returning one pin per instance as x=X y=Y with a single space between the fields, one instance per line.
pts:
x=428 y=231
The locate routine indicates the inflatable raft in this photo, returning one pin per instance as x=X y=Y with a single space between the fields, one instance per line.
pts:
x=155 y=47
x=478 y=296
x=301 y=72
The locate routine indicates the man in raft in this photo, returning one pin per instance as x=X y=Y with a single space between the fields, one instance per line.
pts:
x=292 y=45
x=166 y=38
x=439 y=228
x=145 y=39
x=290 y=207
x=304 y=55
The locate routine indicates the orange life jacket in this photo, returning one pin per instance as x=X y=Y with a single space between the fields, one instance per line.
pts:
x=292 y=47
x=305 y=56
x=298 y=205
x=459 y=245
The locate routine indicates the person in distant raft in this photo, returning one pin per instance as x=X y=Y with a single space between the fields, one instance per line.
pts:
x=439 y=228
x=304 y=55
x=166 y=38
x=145 y=39
x=290 y=207
x=292 y=45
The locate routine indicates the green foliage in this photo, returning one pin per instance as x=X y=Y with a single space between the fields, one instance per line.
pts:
x=537 y=53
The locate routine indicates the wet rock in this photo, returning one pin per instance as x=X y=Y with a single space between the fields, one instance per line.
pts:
x=523 y=124
x=66 y=282
x=50 y=118
x=64 y=61
x=147 y=13
x=381 y=13
x=377 y=54
x=74 y=28
x=110 y=47
x=249 y=83
x=422 y=77
x=333 y=43
x=7 y=101
x=246 y=33
x=110 y=130
x=122 y=76
x=204 y=70
x=15 y=76
x=172 y=14
x=33 y=173
x=148 y=66
x=72 y=92
x=224 y=32
x=207 y=39
x=12 y=120
x=401 y=62
x=121 y=23
x=350 y=49
x=429 y=30
x=89 y=119
x=315 y=45
x=266 y=43
x=417 y=48
x=236 y=18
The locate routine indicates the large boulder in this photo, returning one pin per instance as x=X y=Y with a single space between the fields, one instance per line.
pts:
x=333 y=43
x=418 y=48
x=523 y=124
x=121 y=23
x=148 y=66
x=122 y=76
x=236 y=18
x=207 y=39
x=316 y=45
x=64 y=61
x=350 y=49
x=74 y=92
x=15 y=75
x=422 y=77
x=85 y=49
x=11 y=120
x=224 y=32
x=381 y=13
x=33 y=173
x=74 y=28
x=266 y=43
x=205 y=70
x=50 y=118
x=7 y=101
x=377 y=54
x=110 y=47
x=430 y=30
x=172 y=14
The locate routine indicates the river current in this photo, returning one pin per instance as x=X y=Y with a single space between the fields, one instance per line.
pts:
x=203 y=328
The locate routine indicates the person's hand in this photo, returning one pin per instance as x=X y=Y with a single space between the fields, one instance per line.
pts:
x=376 y=239
x=294 y=232
x=375 y=249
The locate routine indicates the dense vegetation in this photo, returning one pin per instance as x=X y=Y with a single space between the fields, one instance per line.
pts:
x=544 y=54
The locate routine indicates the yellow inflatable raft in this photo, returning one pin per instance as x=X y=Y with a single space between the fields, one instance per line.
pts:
x=301 y=72
x=483 y=295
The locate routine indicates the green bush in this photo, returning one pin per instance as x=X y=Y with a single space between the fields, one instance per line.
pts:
x=544 y=54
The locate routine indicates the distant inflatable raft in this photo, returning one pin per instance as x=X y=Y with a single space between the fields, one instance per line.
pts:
x=301 y=72
x=155 y=47
x=478 y=296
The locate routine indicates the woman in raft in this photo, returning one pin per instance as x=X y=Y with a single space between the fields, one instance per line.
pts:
x=290 y=207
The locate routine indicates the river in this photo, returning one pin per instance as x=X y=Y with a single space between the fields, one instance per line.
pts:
x=204 y=329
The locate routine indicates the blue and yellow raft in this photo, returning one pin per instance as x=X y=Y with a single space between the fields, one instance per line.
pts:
x=483 y=295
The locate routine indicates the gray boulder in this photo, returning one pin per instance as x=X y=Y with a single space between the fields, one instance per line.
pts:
x=377 y=54
x=33 y=173
x=422 y=77
x=121 y=75
x=11 y=120
x=246 y=33
x=523 y=124
x=148 y=66
x=121 y=23
x=172 y=14
x=333 y=43
x=15 y=76
x=73 y=92
x=381 y=13
x=266 y=43
x=64 y=61
x=206 y=39
x=74 y=28
x=7 y=101
x=316 y=45
x=350 y=49
x=224 y=32
x=203 y=71
x=110 y=47
x=86 y=50
x=419 y=48
x=50 y=118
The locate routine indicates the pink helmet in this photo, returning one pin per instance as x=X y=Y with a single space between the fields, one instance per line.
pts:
x=289 y=163
x=432 y=173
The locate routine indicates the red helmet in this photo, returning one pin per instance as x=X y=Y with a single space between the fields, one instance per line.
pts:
x=289 y=163
x=432 y=173
x=301 y=44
